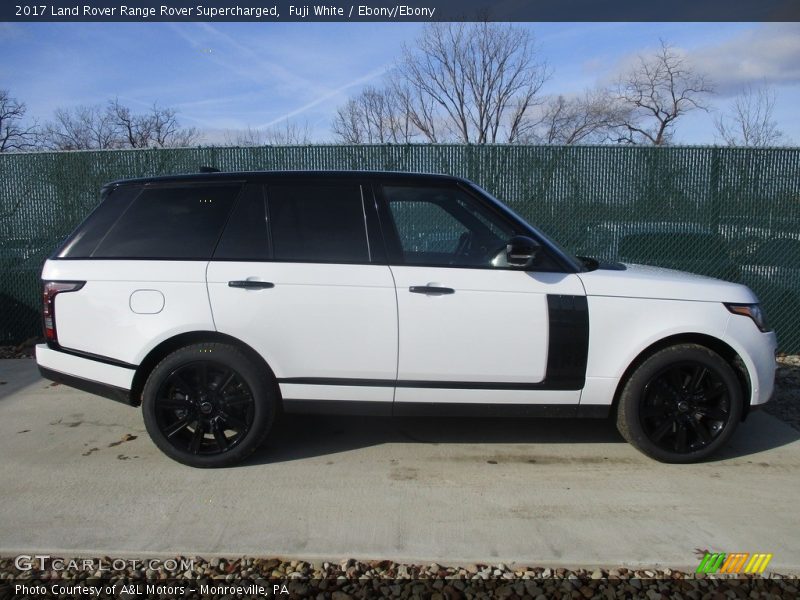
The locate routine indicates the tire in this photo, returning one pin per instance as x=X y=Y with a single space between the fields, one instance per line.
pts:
x=209 y=405
x=681 y=405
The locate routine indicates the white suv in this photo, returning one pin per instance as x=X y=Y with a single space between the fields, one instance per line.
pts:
x=218 y=300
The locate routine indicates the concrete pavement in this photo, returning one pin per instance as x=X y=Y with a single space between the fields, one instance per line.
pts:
x=80 y=476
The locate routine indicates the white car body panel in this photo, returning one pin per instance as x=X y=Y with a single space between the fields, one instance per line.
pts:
x=319 y=321
x=757 y=351
x=642 y=281
x=494 y=328
x=341 y=321
x=98 y=319
x=631 y=310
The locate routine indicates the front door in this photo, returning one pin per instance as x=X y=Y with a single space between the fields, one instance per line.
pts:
x=472 y=329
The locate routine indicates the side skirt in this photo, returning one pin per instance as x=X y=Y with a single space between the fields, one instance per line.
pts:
x=429 y=409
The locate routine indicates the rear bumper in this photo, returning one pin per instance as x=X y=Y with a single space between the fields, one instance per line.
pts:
x=85 y=385
x=86 y=374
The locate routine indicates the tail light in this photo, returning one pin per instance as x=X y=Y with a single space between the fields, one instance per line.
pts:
x=51 y=290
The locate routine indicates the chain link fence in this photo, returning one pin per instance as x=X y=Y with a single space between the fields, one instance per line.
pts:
x=732 y=213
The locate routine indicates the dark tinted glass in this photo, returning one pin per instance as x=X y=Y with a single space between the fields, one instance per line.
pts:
x=246 y=236
x=318 y=223
x=170 y=222
x=85 y=238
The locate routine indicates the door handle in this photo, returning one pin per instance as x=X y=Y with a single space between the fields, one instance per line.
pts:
x=431 y=290
x=251 y=284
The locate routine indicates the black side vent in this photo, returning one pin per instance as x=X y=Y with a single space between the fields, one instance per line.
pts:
x=569 y=342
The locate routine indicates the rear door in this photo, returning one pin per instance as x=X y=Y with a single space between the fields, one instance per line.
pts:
x=299 y=276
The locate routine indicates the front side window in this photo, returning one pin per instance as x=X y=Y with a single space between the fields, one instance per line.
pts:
x=318 y=223
x=445 y=226
x=171 y=223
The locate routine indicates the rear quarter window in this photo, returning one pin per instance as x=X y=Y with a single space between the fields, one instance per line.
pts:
x=83 y=241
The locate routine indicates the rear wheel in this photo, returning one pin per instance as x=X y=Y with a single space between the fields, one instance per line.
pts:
x=680 y=405
x=208 y=405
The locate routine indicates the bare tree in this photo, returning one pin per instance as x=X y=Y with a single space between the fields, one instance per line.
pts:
x=481 y=78
x=654 y=93
x=287 y=134
x=82 y=128
x=165 y=130
x=374 y=116
x=578 y=120
x=136 y=129
x=418 y=110
x=468 y=82
x=14 y=136
x=749 y=122
x=116 y=126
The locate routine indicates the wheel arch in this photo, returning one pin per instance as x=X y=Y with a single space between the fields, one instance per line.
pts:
x=159 y=352
x=729 y=354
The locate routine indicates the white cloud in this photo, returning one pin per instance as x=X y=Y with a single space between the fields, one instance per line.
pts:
x=768 y=53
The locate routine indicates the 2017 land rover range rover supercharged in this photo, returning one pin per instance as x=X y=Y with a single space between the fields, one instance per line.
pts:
x=215 y=301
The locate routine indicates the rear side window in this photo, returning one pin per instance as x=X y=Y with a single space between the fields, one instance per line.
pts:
x=246 y=235
x=170 y=222
x=318 y=223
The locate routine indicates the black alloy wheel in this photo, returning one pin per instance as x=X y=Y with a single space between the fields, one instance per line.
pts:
x=685 y=407
x=205 y=408
x=681 y=404
x=209 y=404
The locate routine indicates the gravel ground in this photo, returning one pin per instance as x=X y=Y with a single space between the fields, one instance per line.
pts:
x=24 y=350
x=354 y=579
x=785 y=404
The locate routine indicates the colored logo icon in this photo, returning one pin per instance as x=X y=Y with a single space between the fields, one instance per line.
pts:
x=735 y=562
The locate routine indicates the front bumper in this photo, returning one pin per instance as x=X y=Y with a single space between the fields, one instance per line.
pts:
x=757 y=351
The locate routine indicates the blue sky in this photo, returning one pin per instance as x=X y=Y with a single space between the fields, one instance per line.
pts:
x=224 y=77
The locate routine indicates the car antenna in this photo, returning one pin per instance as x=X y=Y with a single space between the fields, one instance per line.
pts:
x=206 y=169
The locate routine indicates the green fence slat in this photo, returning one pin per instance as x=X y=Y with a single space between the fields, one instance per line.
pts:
x=727 y=212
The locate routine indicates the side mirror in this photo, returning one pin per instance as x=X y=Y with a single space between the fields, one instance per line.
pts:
x=521 y=250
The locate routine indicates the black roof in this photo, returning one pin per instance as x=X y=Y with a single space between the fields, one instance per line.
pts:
x=268 y=175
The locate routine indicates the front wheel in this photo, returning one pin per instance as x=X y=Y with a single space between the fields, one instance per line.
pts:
x=208 y=405
x=681 y=404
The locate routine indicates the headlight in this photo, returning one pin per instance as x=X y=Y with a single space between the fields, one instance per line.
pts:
x=750 y=310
